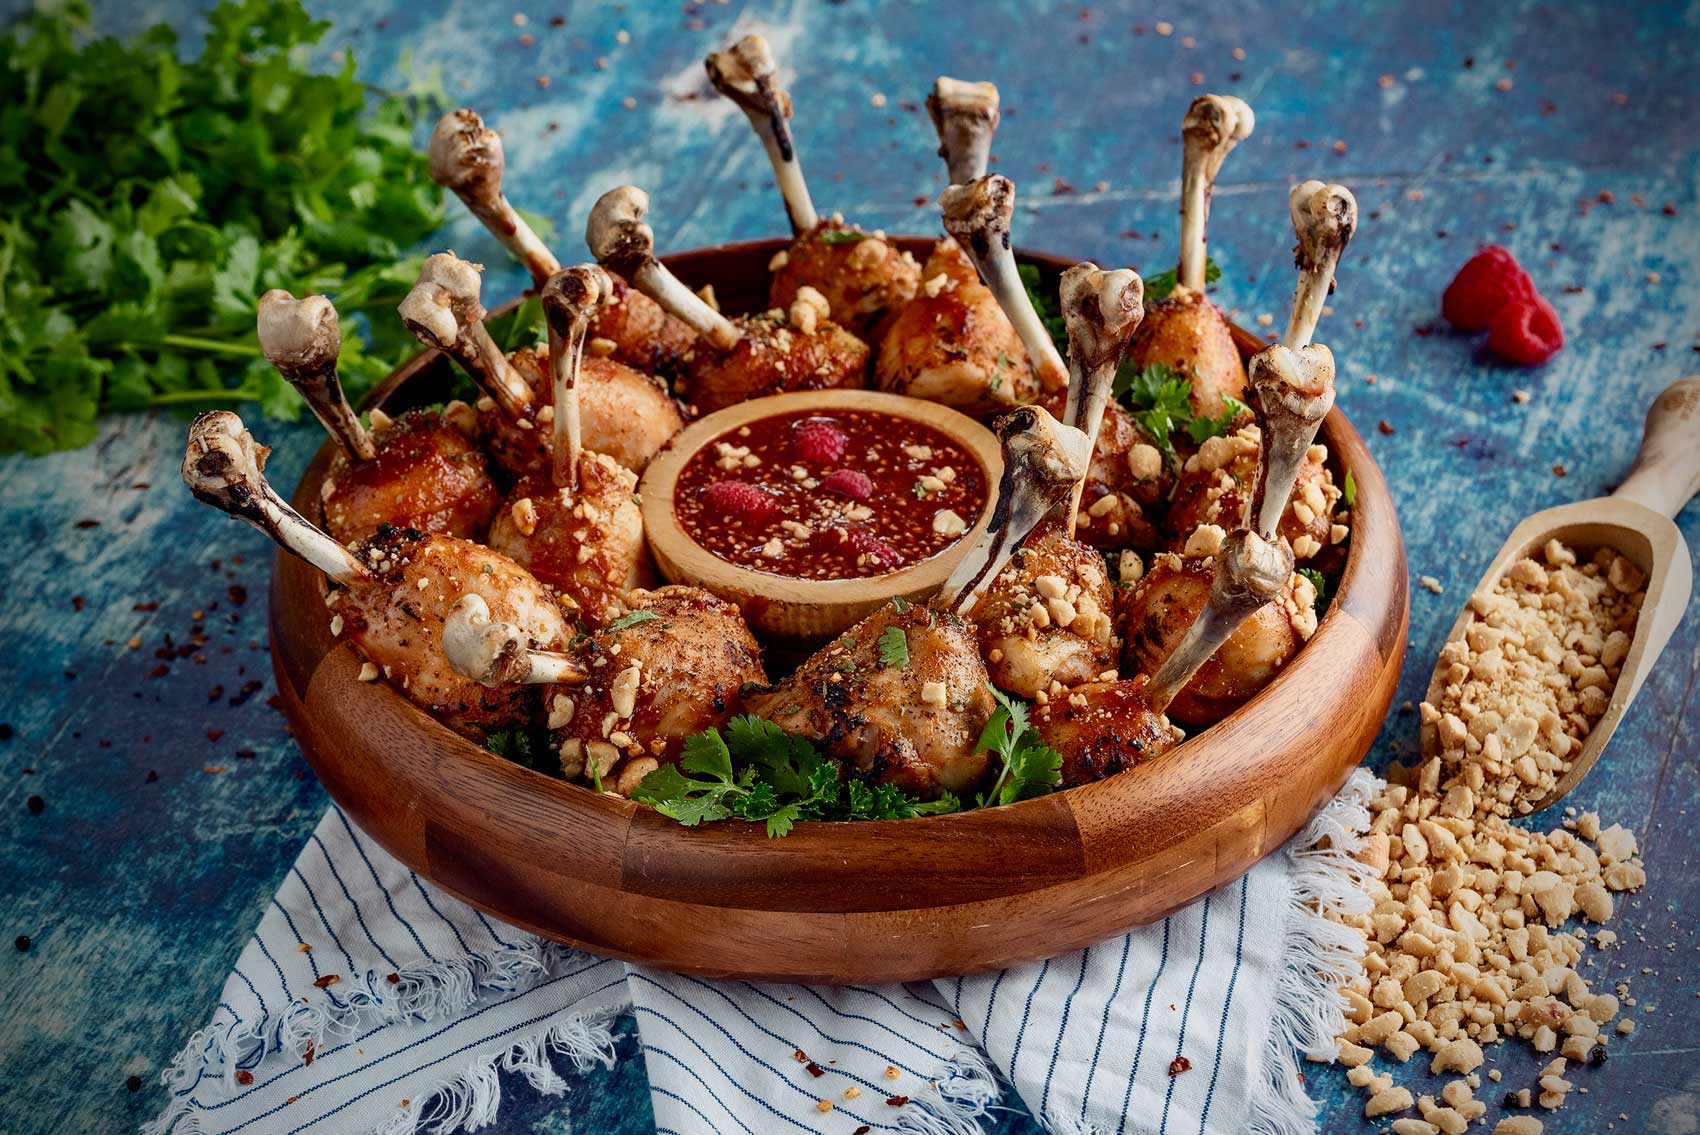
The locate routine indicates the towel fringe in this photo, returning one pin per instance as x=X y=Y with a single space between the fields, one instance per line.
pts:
x=423 y=991
x=471 y=1099
x=1319 y=955
x=954 y=1103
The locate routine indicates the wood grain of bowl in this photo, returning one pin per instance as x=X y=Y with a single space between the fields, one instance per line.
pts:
x=849 y=902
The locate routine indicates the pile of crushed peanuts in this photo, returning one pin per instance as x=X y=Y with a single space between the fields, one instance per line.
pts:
x=1465 y=944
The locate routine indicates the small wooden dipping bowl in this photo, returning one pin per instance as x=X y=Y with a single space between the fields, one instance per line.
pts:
x=889 y=900
x=804 y=612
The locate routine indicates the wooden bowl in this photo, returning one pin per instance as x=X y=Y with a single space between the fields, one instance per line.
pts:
x=849 y=902
x=804 y=612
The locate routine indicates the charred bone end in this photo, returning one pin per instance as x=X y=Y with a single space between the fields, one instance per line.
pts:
x=302 y=340
x=1295 y=391
x=965 y=115
x=617 y=234
x=1324 y=218
x=978 y=214
x=466 y=158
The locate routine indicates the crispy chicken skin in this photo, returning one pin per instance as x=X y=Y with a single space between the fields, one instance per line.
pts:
x=953 y=344
x=645 y=338
x=396 y=621
x=1154 y=616
x=866 y=281
x=1218 y=482
x=586 y=544
x=427 y=476
x=1187 y=332
x=774 y=357
x=1127 y=487
x=1102 y=728
x=1020 y=620
x=654 y=681
x=914 y=726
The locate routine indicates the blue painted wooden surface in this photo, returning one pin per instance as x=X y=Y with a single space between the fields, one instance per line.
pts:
x=139 y=892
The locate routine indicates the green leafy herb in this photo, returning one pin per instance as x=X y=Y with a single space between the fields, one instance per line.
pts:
x=525 y=747
x=900 y=604
x=632 y=619
x=1159 y=400
x=840 y=236
x=147 y=201
x=1159 y=286
x=758 y=773
x=1318 y=581
x=1203 y=429
x=894 y=648
x=1047 y=304
x=1349 y=491
x=1027 y=766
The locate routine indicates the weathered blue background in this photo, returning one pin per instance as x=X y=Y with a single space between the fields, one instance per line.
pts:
x=139 y=894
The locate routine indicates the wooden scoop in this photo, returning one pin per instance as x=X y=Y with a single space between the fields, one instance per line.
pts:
x=1635 y=521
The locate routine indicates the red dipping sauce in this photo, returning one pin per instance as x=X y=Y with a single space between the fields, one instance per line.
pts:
x=849 y=495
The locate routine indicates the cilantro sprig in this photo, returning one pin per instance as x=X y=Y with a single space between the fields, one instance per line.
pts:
x=1159 y=398
x=756 y=772
x=147 y=201
x=1026 y=765
x=1159 y=286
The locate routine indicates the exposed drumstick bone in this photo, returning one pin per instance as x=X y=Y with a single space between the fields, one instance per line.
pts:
x=302 y=340
x=1250 y=571
x=746 y=74
x=570 y=300
x=1214 y=125
x=1042 y=462
x=443 y=311
x=1295 y=391
x=965 y=116
x=222 y=467
x=1102 y=310
x=624 y=245
x=466 y=157
x=1324 y=217
x=494 y=653
x=977 y=215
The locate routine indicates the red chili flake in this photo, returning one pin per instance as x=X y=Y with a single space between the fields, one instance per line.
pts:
x=862 y=1130
x=326 y=981
x=1670 y=209
x=133 y=1083
x=800 y=1056
x=88 y=524
x=151 y=777
x=1659 y=346
x=307 y=1057
x=304 y=948
x=146 y=607
x=394 y=979
x=557 y=21
x=1178 y=1065
x=527 y=40
x=1060 y=188
x=896 y=1101
x=1384 y=426
x=214 y=769
x=35 y=805
x=159 y=671
x=245 y=754
x=238 y=594
x=920 y=200
x=22 y=943
x=78 y=602
x=1559 y=471
x=1607 y=197
x=543 y=81
x=214 y=734
x=244 y=1077
x=814 y=1069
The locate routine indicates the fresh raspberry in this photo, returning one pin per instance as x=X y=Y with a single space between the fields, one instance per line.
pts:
x=819 y=441
x=850 y=483
x=739 y=499
x=1487 y=282
x=865 y=543
x=1526 y=332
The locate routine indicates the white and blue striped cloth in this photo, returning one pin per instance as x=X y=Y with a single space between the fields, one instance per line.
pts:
x=369 y=1001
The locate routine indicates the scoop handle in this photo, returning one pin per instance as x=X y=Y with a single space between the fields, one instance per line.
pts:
x=1667 y=466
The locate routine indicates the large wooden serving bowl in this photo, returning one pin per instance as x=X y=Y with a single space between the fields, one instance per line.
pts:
x=848 y=902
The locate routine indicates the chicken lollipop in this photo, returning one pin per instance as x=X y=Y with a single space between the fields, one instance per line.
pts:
x=579 y=529
x=622 y=702
x=1127 y=482
x=467 y=157
x=422 y=470
x=917 y=724
x=952 y=343
x=735 y=359
x=863 y=277
x=1045 y=622
x=391 y=594
x=1185 y=330
x=1293 y=379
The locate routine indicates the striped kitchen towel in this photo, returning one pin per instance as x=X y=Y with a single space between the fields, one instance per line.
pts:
x=369 y=1001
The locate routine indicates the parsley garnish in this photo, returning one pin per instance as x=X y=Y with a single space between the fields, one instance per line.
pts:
x=840 y=236
x=757 y=772
x=900 y=604
x=1349 y=491
x=632 y=619
x=148 y=201
x=1159 y=398
x=1318 y=581
x=1202 y=429
x=1046 y=304
x=1027 y=766
x=1159 y=286
x=894 y=648
x=525 y=747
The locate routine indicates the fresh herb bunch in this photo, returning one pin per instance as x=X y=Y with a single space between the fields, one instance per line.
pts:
x=1160 y=400
x=757 y=772
x=146 y=202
